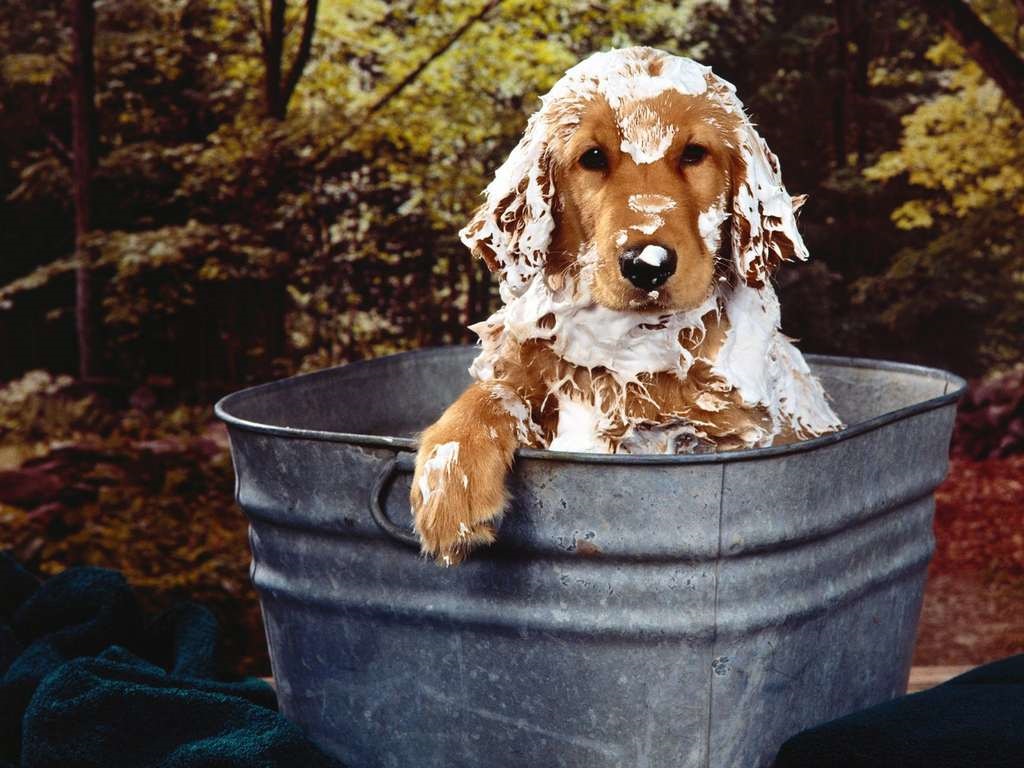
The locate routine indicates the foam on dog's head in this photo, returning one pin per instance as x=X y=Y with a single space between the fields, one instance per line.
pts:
x=512 y=230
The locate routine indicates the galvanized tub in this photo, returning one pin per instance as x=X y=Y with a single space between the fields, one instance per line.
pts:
x=637 y=610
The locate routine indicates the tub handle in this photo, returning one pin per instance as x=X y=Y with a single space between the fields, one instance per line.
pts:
x=401 y=462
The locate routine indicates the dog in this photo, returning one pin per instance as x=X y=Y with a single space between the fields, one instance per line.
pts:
x=634 y=229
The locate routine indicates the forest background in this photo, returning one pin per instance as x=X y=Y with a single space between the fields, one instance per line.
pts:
x=197 y=195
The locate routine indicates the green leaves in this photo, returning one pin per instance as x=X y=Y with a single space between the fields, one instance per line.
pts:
x=962 y=156
x=350 y=219
x=959 y=299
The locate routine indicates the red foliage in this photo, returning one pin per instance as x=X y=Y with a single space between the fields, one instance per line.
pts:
x=979 y=518
x=973 y=602
x=990 y=419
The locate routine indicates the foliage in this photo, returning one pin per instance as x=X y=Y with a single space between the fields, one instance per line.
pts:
x=979 y=519
x=971 y=612
x=964 y=146
x=445 y=134
x=361 y=213
x=957 y=299
x=232 y=248
x=37 y=407
x=144 y=490
x=368 y=223
x=990 y=419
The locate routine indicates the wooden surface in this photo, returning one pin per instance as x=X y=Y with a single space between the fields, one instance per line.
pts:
x=922 y=678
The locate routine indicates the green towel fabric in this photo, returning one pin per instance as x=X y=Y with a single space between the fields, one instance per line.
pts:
x=975 y=720
x=86 y=681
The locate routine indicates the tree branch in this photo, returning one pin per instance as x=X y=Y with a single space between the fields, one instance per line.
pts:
x=410 y=78
x=61 y=148
x=301 y=55
x=272 y=54
x=998 y=60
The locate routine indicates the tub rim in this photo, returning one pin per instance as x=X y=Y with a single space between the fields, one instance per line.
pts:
x=954 y=389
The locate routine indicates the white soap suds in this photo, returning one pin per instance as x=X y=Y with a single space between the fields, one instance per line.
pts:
x=687 y=75
x=527 y=431
x=648 y=203
x=622 y=76
x=709 y=401
x=644 y=137
x=766 y=369
x=653 y=224
x=654 y=255
x=709 y=224
x=586 y=333
x=579 y=428
x=753 y=325
x=763 y=202
x=650 y=207
x=515 y=225
x=441 y=459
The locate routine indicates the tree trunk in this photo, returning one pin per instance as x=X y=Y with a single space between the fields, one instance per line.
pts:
x=839 y=98
x=83 y=132
x=999 y=61
x=301 y=55
x=860 y=86
x=278 y=87
x=273 y=51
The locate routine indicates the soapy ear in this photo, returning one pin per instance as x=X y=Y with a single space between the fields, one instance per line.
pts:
x=764 y=232
x=512 y=230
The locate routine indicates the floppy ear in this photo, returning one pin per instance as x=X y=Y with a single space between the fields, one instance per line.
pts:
x=764 y=232
x=512 y=230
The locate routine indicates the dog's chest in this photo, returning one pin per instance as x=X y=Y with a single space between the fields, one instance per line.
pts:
x=589 y=335
x=583 y=428
x=579 y=428
x=625 y=343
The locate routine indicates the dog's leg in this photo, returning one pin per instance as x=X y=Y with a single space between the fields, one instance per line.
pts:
x=458 y=490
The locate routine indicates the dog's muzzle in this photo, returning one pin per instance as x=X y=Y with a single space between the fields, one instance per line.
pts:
x=648 y=266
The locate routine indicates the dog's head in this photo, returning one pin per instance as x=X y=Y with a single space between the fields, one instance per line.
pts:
x=643 y=167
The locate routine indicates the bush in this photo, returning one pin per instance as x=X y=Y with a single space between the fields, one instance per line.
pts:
x=990 y=421
x=145 y=490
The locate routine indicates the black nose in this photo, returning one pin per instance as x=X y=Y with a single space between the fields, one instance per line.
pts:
x=648 y=266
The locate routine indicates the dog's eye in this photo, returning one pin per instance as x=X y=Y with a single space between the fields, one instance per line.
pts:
x=693 y=154
x=594 y=160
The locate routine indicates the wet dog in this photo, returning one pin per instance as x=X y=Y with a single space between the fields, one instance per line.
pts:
x=634 y=230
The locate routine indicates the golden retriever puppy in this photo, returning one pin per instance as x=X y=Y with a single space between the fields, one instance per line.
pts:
x=634 y=230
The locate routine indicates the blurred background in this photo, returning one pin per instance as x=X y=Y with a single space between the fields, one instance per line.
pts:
x=198 y=195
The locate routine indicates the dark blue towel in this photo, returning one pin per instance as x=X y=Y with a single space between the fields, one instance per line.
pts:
x=85 y=681
x=975 y=720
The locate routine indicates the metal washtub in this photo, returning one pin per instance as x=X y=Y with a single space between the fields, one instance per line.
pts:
x=637 y=611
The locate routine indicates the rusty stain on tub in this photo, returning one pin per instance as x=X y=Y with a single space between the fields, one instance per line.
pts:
x=587 y=548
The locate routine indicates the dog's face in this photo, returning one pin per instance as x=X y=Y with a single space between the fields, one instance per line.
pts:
x=642 y=191
x=643 y=168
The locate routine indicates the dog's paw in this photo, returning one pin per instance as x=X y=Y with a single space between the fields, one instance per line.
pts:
x=458 y=492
